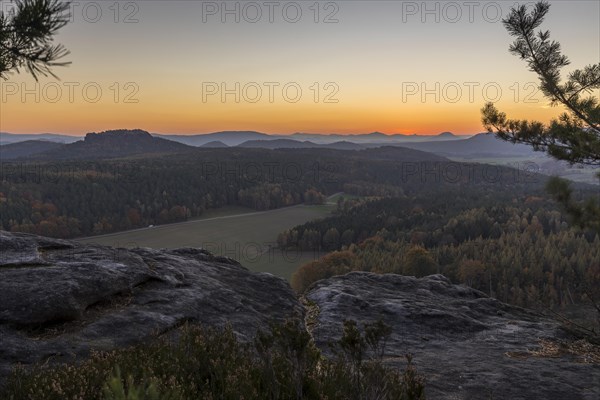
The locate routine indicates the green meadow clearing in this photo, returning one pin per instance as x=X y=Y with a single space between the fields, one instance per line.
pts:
x=242 y=234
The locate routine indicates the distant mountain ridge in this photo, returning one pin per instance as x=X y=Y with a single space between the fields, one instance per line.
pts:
x=297 y=144
x=112 y=144
x=125 y=143
x=8 y=138
x=229 y=138
x=483 y=145
x=375 y=137
x=27 y=148
x=217 y=144
x=447 y=135
x=279 y=144
x=235 y=138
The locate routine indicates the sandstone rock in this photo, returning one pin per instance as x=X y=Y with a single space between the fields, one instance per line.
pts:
x=60 y=299
x=467 y=345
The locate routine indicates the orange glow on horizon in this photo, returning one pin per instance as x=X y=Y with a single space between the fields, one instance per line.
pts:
x=421 y=119
x=368 y=72
x=169 y=109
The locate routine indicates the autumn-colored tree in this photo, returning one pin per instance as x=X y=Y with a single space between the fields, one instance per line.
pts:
x=335 y=263
x=419 y=262
x=472 y=272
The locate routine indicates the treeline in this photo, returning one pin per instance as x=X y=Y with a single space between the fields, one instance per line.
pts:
x=523 y=252
x=445 y=216
x=75 y=198
x=69 y=199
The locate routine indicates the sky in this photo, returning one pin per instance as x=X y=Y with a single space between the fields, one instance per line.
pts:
x=191 y=67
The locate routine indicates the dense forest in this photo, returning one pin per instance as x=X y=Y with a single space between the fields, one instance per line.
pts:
x=517 y=248
x=71 y=198
x=491 y=227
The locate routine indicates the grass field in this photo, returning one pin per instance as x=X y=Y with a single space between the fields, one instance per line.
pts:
x=334 y=198
x=245 y=235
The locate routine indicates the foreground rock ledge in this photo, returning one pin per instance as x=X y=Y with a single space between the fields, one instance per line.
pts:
x=60 y=299
x=467 y=345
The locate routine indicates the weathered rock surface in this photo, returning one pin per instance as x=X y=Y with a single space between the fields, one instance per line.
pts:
x=467 y=345
x=60 y=299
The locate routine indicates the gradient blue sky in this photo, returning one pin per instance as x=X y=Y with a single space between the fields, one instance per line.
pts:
x=373 y=54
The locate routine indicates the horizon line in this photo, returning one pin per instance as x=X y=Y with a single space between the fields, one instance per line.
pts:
x=253 y=131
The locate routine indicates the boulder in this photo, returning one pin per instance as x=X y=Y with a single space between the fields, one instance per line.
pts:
x=466 y=344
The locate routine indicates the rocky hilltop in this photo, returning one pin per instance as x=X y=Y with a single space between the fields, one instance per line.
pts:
x=113 y=144
x=60 y=299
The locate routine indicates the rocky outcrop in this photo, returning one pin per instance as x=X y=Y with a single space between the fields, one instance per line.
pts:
x=467 y=345
x=60 y=299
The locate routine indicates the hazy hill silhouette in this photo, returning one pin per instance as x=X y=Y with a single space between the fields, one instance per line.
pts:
x=483 y=145
x=230 y=138
x=7 y=138
x=374 y=138
x=403 y=154
x=112 y=144
x=217 y=144
x=235 y=138
x=26 y=148
x=446 y=135
x=297 y=144
x=279 y=144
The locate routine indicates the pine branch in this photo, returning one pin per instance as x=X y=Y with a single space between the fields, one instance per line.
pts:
x=26 y=38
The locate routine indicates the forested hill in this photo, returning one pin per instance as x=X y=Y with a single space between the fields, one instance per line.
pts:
x=521 y=251
x=126 y=143
x=27 y=148
x=113 y=144
x=83 y=197
x=483 y=144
